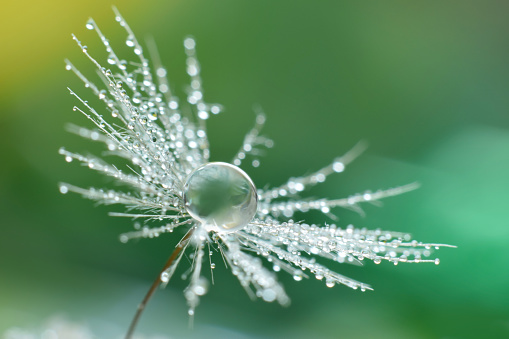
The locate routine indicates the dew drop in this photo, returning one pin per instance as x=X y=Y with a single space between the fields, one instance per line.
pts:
x=189 y=43
x=64 y=189
x=201 y=287
x=269 y=295
x=122 y=64
x=173 y=104
x=221 y=196
x=143 y=119
x=338 y=167
x=90 y=24
x=111 y=59
x=165 y=277
x=130 y=40
x=102 y=94
x=215 y=109
x=152 y=116
x=203 y=115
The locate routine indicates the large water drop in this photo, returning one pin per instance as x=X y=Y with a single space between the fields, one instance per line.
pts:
x=221 y=196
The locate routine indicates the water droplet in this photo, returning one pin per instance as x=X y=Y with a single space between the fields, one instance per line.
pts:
x=338 y=167
x=269 y=295
x=130 y=40
x=215 y=109
x=63 y=189
x=437 y=261
x=203 y=115
x=111 y=59
x=152 y=115
x=200 y=288
x=143 y=119
x=165 y=277
x=102 y=94
x=90 y=24
x=297 y=275
x=68 y=67
x=122 y=64
x=325 y=209
x=330 y=283
x=189 y=43
x=221 y=196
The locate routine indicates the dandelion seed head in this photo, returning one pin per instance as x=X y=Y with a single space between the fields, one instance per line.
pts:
x=172 y=187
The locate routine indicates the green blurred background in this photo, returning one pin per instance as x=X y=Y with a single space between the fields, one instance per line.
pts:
x=426 y=83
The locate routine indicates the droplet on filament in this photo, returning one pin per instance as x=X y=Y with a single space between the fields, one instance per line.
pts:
x=221 y=196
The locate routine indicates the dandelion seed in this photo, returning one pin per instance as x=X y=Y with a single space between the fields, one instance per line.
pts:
x=215 y=204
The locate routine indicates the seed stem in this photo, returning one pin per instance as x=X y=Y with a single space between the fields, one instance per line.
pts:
x=156 y=283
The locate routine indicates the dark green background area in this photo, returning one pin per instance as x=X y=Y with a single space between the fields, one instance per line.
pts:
x=426 y=83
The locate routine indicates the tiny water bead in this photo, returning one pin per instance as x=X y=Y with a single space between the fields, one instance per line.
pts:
x=221 y=196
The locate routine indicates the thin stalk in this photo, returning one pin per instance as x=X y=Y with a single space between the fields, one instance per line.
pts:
x=156 y=283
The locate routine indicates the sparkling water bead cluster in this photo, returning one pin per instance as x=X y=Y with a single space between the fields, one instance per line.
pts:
x=171 y=185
